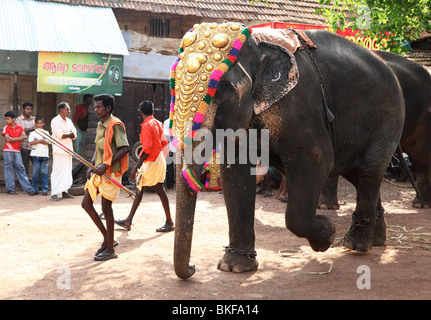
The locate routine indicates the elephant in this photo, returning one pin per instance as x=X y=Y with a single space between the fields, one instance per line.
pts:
x=330 y=107
x=415 y=83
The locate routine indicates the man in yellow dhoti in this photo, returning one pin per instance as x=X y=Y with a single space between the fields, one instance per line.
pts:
x=150 y=169
x=111 y=157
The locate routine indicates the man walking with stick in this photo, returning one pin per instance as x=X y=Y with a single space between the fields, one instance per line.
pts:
x=111 y=157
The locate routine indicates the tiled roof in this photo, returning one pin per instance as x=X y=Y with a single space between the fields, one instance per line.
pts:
x=424 y=35
x=293 y=11
x=422 y=57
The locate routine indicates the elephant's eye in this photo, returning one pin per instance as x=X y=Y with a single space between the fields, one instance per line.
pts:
x=224 y=90
x=224 y=85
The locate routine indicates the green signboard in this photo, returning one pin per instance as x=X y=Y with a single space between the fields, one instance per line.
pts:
x=91 y=73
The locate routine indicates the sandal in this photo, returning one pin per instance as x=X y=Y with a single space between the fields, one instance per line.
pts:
x=165 y=228
x=102 y=248
x=284 y=199
x=55 y=198
x=103 y=256
x=122 y=224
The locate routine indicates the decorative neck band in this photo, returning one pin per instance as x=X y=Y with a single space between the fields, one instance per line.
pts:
x=207 y=51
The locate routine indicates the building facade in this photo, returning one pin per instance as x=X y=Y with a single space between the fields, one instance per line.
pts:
x=151 y=31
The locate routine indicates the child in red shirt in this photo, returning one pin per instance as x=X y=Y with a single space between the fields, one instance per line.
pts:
x=14 y=134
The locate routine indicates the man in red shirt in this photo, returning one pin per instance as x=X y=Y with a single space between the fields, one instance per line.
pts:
x=80 y=118
x=14 y=134
x=150 y=169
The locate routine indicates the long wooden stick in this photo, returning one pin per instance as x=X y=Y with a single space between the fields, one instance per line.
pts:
x=83 y=160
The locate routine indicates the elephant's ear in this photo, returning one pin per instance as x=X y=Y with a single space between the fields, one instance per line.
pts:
x=276 y=75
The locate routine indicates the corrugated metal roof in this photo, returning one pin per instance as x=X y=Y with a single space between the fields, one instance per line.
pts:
x=30 y=25
x=293 y=11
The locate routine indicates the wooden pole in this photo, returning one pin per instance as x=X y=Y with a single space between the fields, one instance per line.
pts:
x=83 y=160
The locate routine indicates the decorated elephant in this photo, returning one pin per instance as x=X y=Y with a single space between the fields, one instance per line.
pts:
x=415 y=83
x=329 y=107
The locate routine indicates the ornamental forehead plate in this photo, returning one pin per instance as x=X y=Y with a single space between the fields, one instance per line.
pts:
x=203 y=49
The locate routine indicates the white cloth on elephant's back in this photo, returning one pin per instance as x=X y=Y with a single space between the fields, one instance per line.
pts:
x=282 y=37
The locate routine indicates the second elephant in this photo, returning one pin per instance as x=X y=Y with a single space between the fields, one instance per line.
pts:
x=415 y=83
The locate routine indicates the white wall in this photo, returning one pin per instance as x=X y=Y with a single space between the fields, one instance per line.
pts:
x=150 y=65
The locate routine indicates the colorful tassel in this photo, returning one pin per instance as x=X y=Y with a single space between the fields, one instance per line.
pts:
x=192 y=182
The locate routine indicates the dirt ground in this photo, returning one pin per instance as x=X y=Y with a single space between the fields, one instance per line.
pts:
x=47 y=251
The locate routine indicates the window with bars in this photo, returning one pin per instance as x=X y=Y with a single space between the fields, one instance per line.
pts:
x=159 y=27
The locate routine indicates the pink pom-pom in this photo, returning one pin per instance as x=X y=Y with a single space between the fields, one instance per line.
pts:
x=217 y=74
x=237 y=44
x=199 y=118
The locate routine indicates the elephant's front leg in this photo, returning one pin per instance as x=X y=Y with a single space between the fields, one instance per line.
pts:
x=304 y=186
x=239 y=190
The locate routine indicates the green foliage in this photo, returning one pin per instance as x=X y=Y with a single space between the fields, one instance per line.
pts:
x=391 y=22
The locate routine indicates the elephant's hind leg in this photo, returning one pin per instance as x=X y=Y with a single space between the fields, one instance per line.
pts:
x=423 y=181
x=368 y=224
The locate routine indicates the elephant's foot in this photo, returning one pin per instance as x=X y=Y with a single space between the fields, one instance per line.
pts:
x=238 y=261
x=324 y=233
x=367 y=233
x=421 y=203
x=359 y=240
x=328 y=203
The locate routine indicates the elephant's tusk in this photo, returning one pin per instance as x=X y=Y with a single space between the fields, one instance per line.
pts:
x=246 y=73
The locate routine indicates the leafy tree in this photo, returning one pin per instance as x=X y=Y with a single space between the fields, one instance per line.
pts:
x=392 y=22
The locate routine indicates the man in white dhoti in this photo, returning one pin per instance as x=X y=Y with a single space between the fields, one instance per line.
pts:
x=65 y=132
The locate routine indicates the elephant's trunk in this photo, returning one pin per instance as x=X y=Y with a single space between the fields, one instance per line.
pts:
x=184 y=218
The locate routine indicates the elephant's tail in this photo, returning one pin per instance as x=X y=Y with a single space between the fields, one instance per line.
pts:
x=399 y=155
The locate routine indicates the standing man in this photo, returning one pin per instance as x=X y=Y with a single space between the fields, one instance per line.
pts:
x=64 y=131
x=81 y=120
x=150 y=170
x=26 y=120
x=111 y=157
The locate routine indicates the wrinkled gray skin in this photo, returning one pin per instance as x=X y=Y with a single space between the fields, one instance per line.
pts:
x=367 y=103
x=415 y=83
